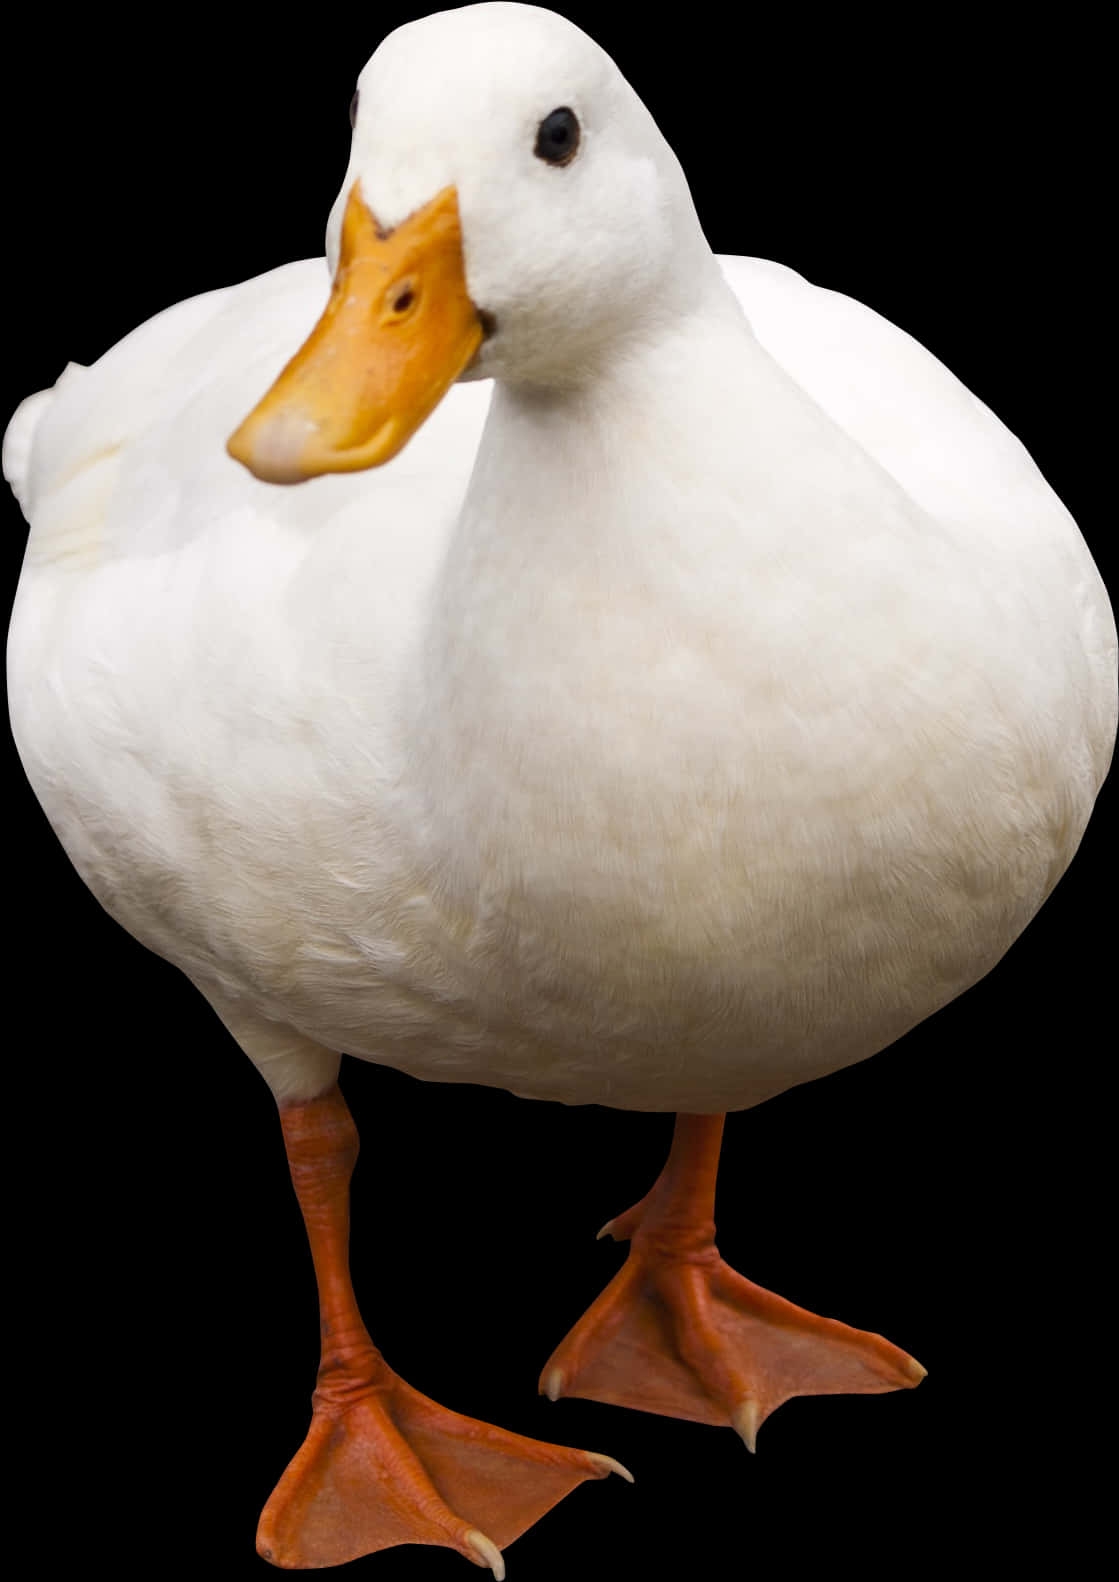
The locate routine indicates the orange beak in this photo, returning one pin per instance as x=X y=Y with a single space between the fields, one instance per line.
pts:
x=396 y=333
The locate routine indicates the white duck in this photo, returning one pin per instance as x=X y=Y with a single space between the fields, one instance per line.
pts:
x=718 y=706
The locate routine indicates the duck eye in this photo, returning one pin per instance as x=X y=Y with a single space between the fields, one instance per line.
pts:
x=353 y=107
x=557 y=137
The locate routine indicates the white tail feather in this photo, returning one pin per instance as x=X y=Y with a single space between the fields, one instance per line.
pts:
x=19 y=438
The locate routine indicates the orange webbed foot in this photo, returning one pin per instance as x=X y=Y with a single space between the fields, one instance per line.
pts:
x=690 y=1338
x=395 y=1467
x=680 y=1333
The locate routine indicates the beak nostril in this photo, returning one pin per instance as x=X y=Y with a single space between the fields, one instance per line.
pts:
x=399 y=298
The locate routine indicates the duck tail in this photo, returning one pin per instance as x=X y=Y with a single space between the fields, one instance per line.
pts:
x=19 y=439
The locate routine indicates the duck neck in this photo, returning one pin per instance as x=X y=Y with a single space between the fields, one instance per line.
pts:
x=597 y=561
x=584 y=490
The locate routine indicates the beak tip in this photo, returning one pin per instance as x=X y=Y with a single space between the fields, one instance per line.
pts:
x=273 y=448
x=235 y=446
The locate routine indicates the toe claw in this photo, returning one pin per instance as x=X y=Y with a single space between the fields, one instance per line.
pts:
x=746 y=1422
x=552 y=1384
x=608 y=1464
x=487 y=1551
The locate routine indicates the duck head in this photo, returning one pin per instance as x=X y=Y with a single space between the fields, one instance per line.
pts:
x=510 y=210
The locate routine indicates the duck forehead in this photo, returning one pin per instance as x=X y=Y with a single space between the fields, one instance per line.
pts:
x=452 y=95
x=484 y=42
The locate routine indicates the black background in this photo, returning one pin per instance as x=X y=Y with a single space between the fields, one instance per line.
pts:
x=946 y=1193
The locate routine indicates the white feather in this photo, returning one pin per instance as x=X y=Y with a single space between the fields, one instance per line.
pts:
x=722 y=705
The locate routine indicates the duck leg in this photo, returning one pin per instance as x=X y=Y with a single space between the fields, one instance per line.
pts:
x=679 y=1332
x=382 y=1464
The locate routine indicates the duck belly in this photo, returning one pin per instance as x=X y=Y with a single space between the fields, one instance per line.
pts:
x=730 y=965
x=673 y=915
x=734 y=960
x=699 y=949
x=654 y=875
x=687 y=891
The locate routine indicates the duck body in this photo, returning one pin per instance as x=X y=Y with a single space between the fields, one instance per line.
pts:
x=701 y=689
x=661 y=742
